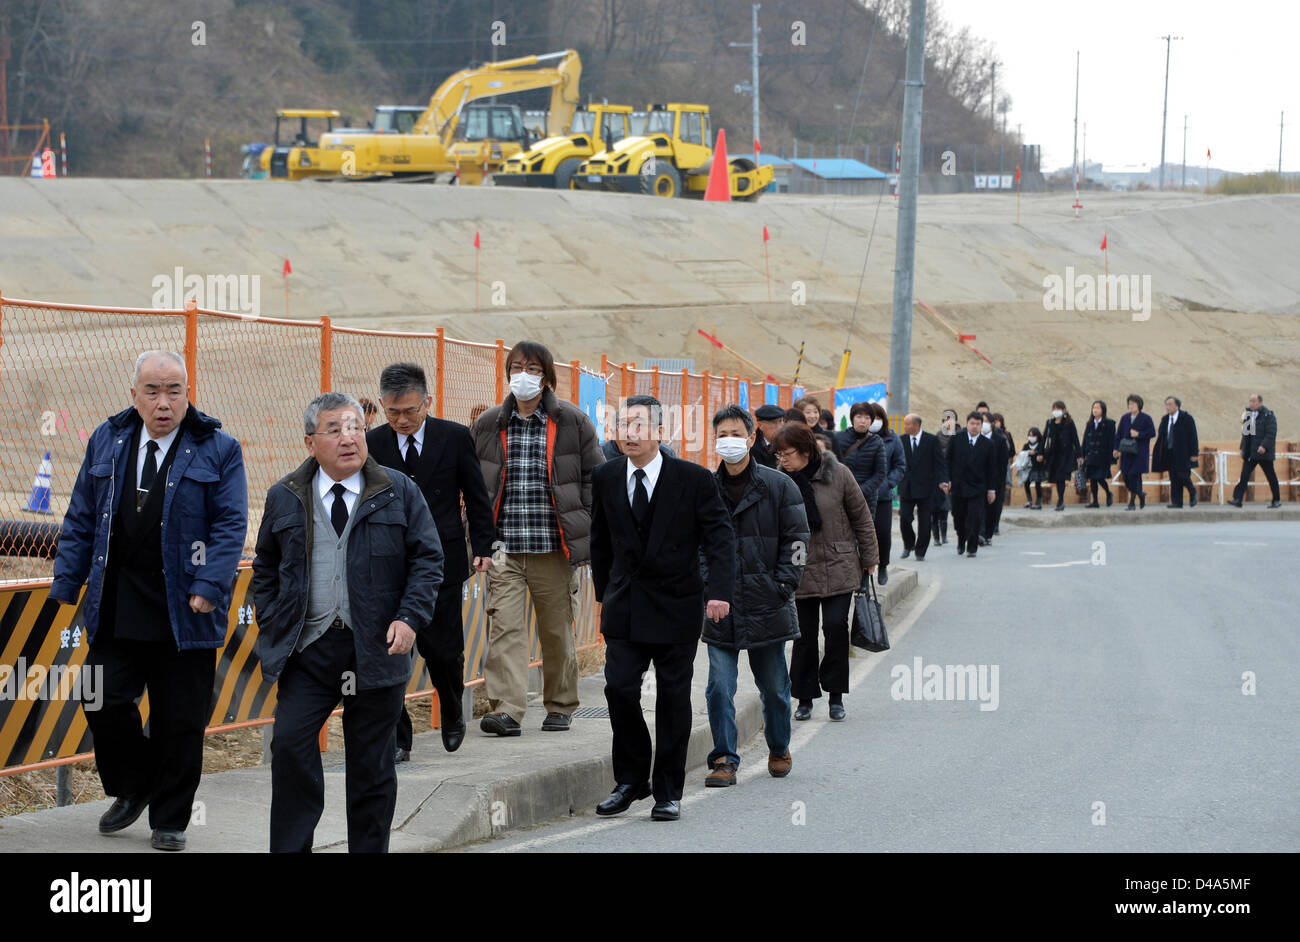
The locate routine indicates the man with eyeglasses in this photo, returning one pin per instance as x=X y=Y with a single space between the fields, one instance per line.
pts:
x=155 y=528
x=537 y=454
x=348 y=566
x=438 y=455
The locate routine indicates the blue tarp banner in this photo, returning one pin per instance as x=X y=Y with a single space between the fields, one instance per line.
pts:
x=771 y=394
x=743 y=398
x=844 y=399
x=591 y=400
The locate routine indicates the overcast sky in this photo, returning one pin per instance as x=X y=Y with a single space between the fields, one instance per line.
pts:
x=1235 y=70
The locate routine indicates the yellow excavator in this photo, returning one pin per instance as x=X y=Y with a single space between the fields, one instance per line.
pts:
x=432 y=147
x=552 y=162
x=672 y=158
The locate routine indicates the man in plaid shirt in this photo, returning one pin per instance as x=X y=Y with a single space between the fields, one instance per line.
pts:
x=537 y=454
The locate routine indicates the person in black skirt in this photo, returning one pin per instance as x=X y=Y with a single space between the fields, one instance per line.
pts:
x=1096 y=452
x=1060 y=449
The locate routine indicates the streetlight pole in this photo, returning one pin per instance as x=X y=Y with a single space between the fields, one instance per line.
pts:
x=752 y=85
x=1169 y=38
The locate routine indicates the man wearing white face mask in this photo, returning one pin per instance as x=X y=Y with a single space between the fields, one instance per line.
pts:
x=537 y=454
x=771 y=526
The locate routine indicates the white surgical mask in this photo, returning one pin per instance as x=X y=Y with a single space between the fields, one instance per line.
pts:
x=525 y=386
x=732 y=450
x=985 y=428
x=1032 y=440
x=875 y=425
x=1057 y=413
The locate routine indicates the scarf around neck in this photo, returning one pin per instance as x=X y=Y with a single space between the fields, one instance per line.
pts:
x=803 y=477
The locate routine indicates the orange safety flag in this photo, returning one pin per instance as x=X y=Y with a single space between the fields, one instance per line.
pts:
x=288 y=270
x=477 y=242
x=1103 y=242
x=1017 y=173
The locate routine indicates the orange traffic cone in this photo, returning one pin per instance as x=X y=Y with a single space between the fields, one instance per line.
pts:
x=719 y=187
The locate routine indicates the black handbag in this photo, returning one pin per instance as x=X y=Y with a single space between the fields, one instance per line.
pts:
x=1128 y=446
x=868 y=621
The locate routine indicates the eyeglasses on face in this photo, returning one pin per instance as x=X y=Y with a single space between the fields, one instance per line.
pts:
x=532 y=369
x=335 y=432
x=396 y=415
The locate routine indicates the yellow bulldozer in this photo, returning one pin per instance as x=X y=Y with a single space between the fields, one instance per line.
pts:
x=672 y=157
x=296 y=155
x=552 y=162
x=438 y=144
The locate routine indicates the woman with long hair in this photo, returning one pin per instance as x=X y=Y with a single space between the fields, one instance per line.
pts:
x=942 y=498
x=1096 y=451
x=1060 y=449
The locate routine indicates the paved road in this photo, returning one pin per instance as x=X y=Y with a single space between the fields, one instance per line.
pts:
x=1119 y=682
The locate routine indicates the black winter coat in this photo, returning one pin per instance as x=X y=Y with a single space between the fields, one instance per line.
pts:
x=1265 y=435
x=895 y=467
x=1098 y=448
x=868 y=462
x=769 y=521
x=394 y=569
x=1060 y=449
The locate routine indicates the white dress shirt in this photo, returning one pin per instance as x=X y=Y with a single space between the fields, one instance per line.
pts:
x=651 y=475
x=164 y=444
x=403 y=440
x=351 y=492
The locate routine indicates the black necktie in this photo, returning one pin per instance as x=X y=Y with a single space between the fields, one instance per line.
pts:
x=339 y=512
x=640 y=498
x=412 y=456
x=150 y=470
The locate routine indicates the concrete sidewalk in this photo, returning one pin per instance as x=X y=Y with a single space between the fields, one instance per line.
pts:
x=443 y=800
x=1078 y=515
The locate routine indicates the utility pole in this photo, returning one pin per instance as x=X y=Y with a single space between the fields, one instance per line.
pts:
x=1280 y=125
x=1076 y=135
x=900 y=340
x=752 y=85
x=1164 y=116
x=1183 y=184
x=993 y=96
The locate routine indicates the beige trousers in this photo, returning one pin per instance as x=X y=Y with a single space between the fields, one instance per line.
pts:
x=553 y=586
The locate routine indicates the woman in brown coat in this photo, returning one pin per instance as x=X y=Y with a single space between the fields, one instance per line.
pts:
x=841 y=550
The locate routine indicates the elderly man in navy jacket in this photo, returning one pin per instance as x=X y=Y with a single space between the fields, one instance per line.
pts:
x=155 y=529
x=348 y=565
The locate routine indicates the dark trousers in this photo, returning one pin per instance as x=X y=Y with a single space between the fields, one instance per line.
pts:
x=993 y=513
x=939 y=523
x=311 y=686
x=808 y=678
x=1177 y=481
x=167 y=763
x=625 y=663
x=442 y=645
x=918 y=540
x=1133 y=484
x=1248 y=472
x=968 y=517
x=883 y=518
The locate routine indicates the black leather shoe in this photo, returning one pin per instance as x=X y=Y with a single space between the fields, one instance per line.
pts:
x=452 y=735
x=906 y=553
x=882 y=576
x=1193 y=498
x=122 y=814
x=920 y=557
x=1275 y=505
x=970 y=555
x=168 y=839
x=557 y=722
x=803 y=711
x=1234 y=502
x=621 y=798
x=502 y=724
x=1093 y=505
x=837 y=712
x=1110 y=498
x=983 y=541
x=1174 y=506
x=666 y=811
x=402 y=755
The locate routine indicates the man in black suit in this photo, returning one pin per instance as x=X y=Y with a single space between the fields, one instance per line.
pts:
x=1176 y=451
x=768 y=419
x=651 y=518
x=974 y=483
x=439 y=457
x=926 y=473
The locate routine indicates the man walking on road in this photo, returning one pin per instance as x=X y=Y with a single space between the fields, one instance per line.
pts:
x=926 y=474
x=154 y=529
x=767 y=514
x=974 y=483
x=348 y=566
x=651 y=518
x=769 y=420
x=1258 y=444
x=1176 y=451
x=439 y=457
x=537 y=453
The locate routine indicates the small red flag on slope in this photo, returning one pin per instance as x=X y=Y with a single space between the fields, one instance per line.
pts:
x=477 y=242
x=1103 y=242
x=766 y=237
x=1018 y=177
x=757 y=148
x=288 y=270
